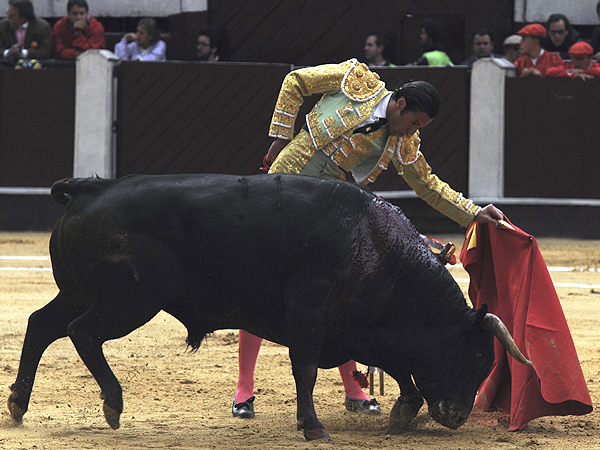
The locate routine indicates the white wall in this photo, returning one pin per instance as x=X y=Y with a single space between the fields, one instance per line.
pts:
x=579 y=12
x=120 y=8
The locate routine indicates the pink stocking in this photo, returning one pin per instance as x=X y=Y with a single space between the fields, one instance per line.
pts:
x=248 y=348
x=352 y=388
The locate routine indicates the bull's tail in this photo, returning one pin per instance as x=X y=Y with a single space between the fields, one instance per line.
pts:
x=64 y=190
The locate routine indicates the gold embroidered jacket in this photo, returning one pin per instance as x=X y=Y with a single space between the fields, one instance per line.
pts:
x=350 y=94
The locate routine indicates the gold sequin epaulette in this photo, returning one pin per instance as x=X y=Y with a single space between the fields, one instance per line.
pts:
x=360 y=84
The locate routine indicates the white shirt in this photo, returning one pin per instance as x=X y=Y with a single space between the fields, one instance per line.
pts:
x=379 y=112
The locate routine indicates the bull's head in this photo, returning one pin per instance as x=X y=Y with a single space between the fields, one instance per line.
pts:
x=450 y=384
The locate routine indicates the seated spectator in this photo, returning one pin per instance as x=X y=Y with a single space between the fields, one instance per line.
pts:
x=77 y=32
x=145 y=45
x=434 y=39
x=22 y=35
x=595 y=39
x=378 y=49
x=534 y=61
x=580 y=66
x=212 y=45
x=561 y=35
x=483 y=46
x=512 y=49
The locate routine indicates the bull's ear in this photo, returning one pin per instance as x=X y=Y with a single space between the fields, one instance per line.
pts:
x=480 y=315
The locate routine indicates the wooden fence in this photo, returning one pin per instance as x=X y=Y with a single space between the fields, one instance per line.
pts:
x=186 y=118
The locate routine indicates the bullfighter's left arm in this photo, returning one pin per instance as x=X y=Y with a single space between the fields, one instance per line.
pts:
x=413 y=167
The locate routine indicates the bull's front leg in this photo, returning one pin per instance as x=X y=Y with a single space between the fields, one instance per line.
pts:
x=407 y=406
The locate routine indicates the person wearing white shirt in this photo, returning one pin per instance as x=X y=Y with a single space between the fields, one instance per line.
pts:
x=145 y=45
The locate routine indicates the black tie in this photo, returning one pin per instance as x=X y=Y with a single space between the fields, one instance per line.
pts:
x=372 y=127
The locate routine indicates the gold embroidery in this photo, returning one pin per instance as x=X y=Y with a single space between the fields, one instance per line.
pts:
x=295 y=155
x=347 y=156
x=384 y=160
x=329 y=121
x=409 y=148
x=360 y=84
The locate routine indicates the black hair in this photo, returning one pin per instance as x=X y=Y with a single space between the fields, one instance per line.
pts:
x=218 y=38
x=24 y=7
x=80 y=3
x=484 y=32
x=151 y=27
x=437 y=34
x=387 y=42
x=420 y=96
x=558 y=17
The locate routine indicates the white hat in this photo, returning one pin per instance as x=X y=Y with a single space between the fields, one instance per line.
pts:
x=513 y=39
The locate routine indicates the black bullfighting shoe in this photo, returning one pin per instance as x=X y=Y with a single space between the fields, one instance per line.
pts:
x=362 y=406
x=245 y=410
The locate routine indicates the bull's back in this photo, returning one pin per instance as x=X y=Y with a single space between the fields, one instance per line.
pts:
x=231 y=227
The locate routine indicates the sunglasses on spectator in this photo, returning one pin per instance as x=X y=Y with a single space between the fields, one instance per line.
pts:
x=557 y=32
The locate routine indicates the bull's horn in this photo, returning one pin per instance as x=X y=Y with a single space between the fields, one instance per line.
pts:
x=495 y=325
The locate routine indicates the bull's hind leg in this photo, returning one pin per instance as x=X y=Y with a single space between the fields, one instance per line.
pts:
x=45 y=326
x=306 y=330
x=103 y=322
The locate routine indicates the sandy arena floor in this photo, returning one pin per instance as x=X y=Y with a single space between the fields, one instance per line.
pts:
x=178 y=400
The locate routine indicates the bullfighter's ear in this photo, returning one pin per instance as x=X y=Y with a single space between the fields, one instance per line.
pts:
x=480 y=315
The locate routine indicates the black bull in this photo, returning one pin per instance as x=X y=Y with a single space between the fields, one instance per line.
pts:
x=322 y=267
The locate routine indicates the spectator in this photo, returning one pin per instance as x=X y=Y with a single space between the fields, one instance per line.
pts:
x=77 y=32
x=22 y=35
x=561 y=35
x=212 y=45
x=580 y=66
x=512 y=49
x=483 y=46
x=145 y=45
x=434 y=40
x=595 y=39
x=534 y=60
x=378 y=50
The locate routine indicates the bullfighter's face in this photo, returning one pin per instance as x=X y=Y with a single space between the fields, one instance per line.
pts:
x=403 y=122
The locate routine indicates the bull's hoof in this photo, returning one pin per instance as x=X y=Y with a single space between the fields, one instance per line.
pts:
x=111 y=416
x=16 y=412
x=317 y=433
x=403 y=413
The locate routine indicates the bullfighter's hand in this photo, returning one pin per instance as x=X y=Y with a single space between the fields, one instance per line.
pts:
x=275 y=148
x=489 y=214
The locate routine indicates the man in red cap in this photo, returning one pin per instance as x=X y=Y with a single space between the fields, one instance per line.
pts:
x=581 y=65
x=535 y=61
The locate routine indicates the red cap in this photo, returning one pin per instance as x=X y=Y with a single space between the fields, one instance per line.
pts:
x=533 y=29
x=580 y=49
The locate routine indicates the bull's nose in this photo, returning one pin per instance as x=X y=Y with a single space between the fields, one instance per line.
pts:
x=459 y=418
x=448 y=415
